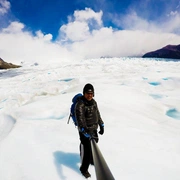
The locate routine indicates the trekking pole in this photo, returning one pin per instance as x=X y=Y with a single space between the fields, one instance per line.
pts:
x=102 y=170
x=69 y=118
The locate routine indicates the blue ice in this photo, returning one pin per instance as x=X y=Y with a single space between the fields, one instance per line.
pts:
x=66 y=80
x=156 y=96
x=165 y=79
x=154 y=83
x=174 y=113
x=144 y=78
x=4 y=100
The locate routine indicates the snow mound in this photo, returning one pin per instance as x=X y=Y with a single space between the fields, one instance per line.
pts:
x=6 y=125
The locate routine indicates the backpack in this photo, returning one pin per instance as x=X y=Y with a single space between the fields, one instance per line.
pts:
x=75 y=99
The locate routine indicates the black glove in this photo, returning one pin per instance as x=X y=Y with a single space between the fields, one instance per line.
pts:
x=101 y=129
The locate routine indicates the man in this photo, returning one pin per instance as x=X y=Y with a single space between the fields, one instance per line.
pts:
x=88 y=118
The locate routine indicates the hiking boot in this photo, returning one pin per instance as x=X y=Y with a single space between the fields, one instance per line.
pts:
x=86 y=174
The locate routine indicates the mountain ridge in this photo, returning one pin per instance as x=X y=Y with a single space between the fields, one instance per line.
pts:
x=5 y=65
x=169 y=51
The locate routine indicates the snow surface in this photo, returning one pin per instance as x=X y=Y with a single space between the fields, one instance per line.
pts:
x=139 y=101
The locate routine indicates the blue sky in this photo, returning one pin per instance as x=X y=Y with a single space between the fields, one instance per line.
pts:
x=76 y=24
x=49 y=15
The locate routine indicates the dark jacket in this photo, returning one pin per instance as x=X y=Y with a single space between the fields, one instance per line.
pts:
x=87 y=114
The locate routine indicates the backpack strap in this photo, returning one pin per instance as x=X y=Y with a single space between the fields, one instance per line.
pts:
x=69 y=118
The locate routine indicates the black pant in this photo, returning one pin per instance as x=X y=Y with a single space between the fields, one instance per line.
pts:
x=86 y=151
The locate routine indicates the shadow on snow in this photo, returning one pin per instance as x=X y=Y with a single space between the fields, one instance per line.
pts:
x=9 y=73
x=69 y=160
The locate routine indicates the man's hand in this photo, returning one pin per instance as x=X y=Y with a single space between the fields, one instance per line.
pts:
x=85 y=132
x=101 y=129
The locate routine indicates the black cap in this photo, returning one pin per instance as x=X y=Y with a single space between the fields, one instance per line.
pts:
x=88 y=88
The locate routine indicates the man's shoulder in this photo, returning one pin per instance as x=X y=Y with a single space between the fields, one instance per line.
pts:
x=80 y=101
x=94 y=101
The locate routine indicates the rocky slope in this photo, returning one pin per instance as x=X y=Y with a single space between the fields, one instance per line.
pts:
x=169 y=51
x=5 y=65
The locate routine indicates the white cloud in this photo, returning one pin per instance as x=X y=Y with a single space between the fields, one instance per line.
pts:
x=178 y=6
x=4 y=6
x=173 y=13
x=106 y=42
x=20 y=46
x=172 y=24
x=80 y=39
x=132 y=21
x=80 y=25
x=138 y=37
x=14 y=27
x=46 y=37
x=87 y=15
x=75 y=31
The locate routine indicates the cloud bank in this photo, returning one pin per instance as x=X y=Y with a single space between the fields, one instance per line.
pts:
x=86 y=36
x=4 y=6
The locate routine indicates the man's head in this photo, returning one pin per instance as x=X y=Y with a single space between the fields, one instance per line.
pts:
x=88 y=91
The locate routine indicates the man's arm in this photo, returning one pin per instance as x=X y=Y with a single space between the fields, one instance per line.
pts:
x=80 y=114
x=100 y=121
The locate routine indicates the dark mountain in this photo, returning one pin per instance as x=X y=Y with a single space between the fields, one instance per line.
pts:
x=169 y=51
x=5 y=65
